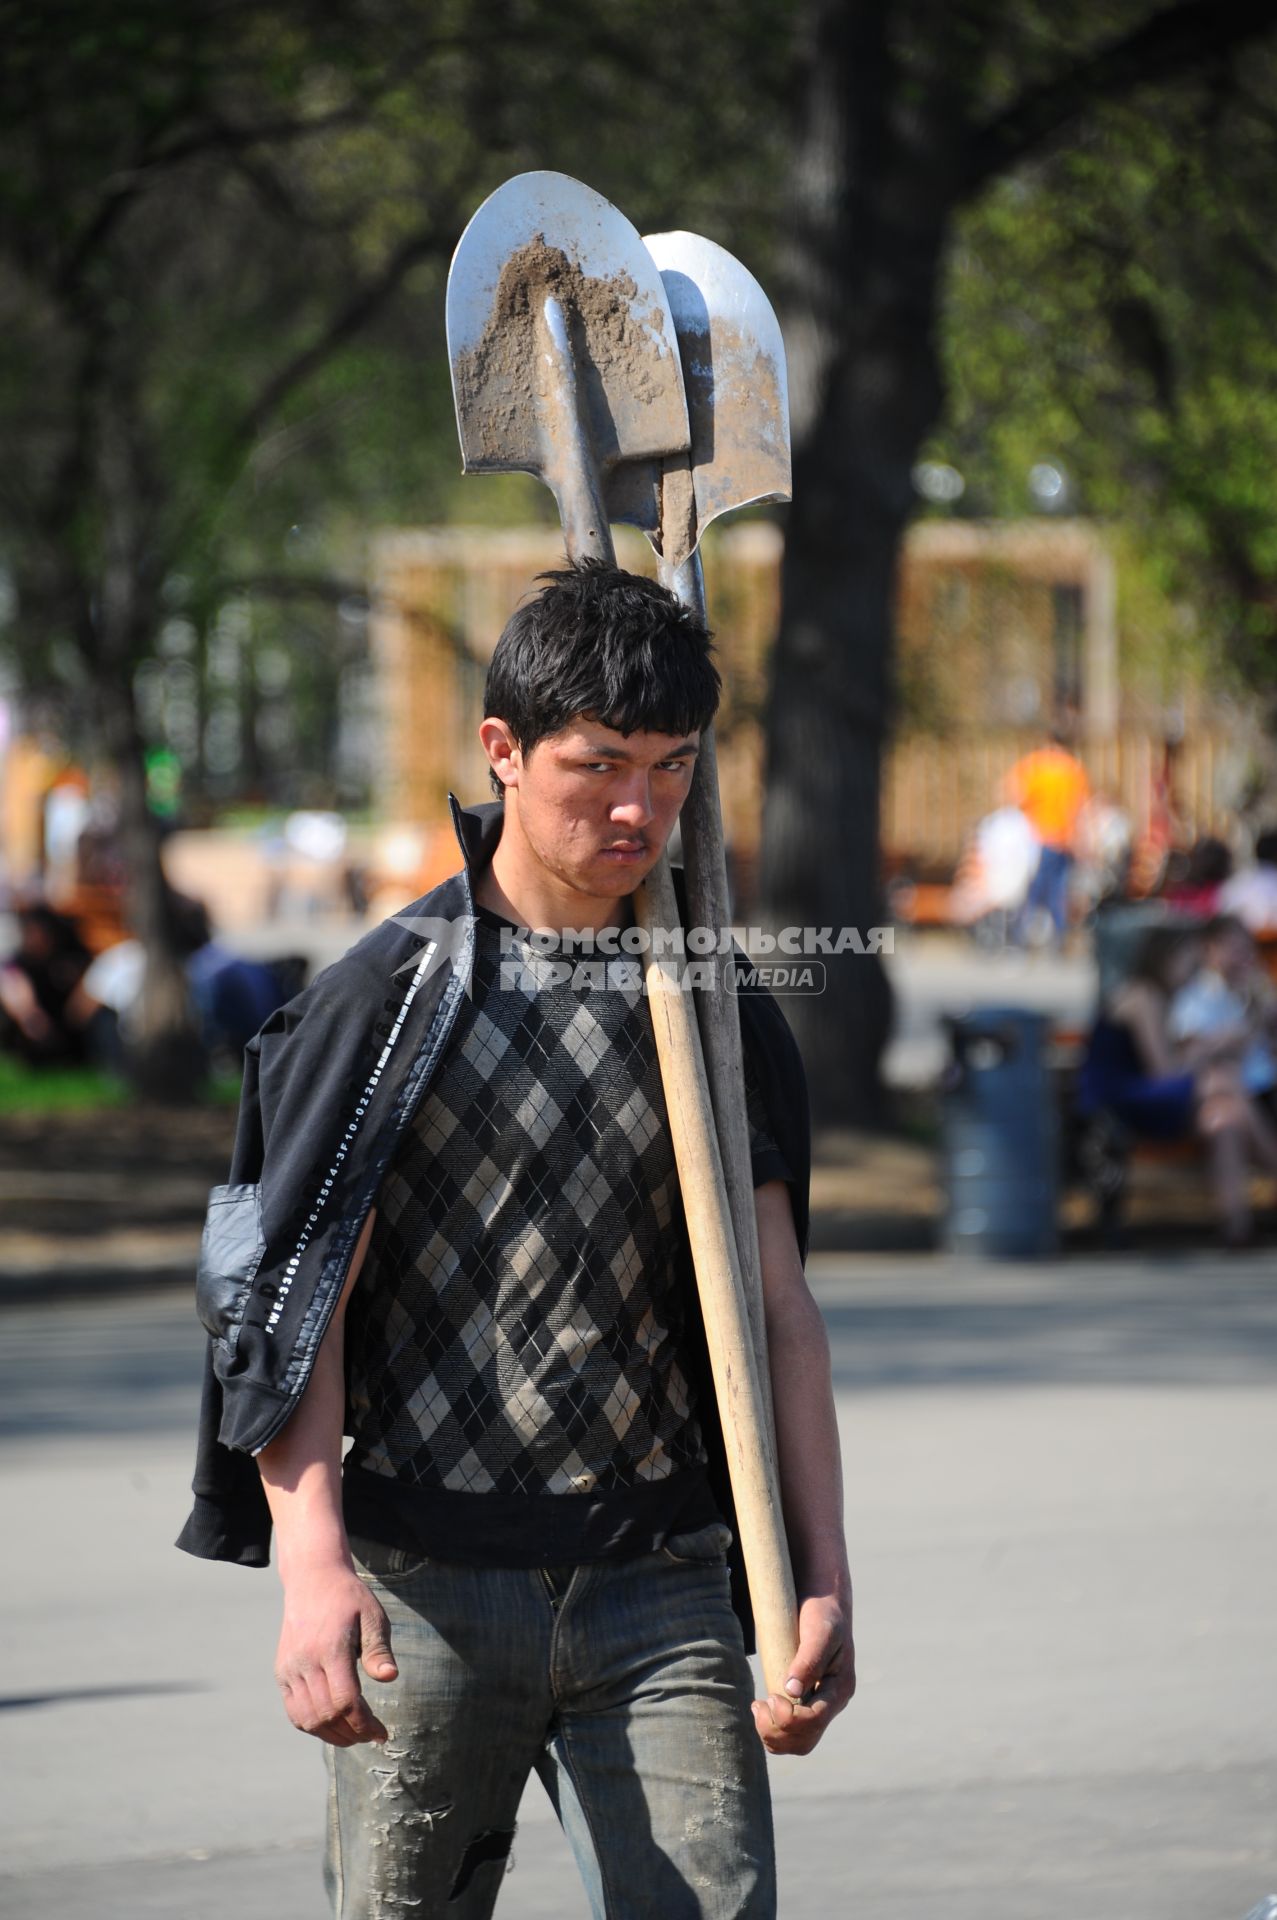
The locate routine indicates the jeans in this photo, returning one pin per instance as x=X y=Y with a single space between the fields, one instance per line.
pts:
x=625 y=1686
x=1049 y=889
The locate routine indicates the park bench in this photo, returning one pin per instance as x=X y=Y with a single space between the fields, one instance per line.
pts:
x=1105 y=1159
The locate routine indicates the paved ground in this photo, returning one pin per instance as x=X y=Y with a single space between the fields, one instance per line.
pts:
x=937 y=974
x=1061 y=1499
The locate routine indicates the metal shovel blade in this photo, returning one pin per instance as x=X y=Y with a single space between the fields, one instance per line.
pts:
x=562 y=346
x=737 y=392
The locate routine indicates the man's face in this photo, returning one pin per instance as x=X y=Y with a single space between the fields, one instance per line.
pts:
x=596 y=807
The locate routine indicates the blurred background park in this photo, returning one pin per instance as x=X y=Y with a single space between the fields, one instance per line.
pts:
x=1002 y=679
x=246 y=598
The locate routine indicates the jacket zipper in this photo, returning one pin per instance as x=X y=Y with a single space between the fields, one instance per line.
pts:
x=286 y=1412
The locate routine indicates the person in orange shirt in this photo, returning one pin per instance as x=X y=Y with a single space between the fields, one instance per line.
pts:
x=1050 y=788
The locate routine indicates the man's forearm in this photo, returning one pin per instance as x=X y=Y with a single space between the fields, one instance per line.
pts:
x=807 y=1446
x=808 y=1453
x=822 y=1675
x=330 y=1617
x=301 y=1472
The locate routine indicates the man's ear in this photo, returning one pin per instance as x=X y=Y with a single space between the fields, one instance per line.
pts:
x=502 y=750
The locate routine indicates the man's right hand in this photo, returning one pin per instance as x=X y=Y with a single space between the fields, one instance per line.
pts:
x=330 y=1620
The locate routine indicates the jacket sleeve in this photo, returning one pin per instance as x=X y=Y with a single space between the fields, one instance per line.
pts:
x=230 y=1519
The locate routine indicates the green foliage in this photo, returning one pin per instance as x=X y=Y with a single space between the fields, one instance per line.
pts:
x=224 y=237
x=58 y=1089
x=28 y=1090
x=1107 y=310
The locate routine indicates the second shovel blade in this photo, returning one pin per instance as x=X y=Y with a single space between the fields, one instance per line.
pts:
x=737 y=391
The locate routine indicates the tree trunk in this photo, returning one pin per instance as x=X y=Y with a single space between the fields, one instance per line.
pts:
x=867 y=241
x=827 y=717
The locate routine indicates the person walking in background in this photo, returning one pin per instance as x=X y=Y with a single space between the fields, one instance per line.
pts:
x=1050 y=788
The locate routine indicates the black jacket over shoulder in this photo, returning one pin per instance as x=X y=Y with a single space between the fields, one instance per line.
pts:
x=329 y=1084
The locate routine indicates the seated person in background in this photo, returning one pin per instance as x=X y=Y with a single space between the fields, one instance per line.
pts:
x=1229 y=999
x=1252 y=894
x=1134 y=1071
x=232 y=997
x=37 y=986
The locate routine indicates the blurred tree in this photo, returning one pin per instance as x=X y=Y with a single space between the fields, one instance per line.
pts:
x=1107 y=310
x=916 y=109
x=224 y=229
x=157 y=327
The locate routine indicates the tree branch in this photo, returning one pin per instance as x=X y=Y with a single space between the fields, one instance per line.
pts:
x=278 y=200
x=222 y=135
x=354 y=315
x=1175 y=39
x=215 y=136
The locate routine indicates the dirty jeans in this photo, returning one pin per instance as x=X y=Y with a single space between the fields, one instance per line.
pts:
x=625 y=1686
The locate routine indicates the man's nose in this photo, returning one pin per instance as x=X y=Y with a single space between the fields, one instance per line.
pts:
x=633 y=806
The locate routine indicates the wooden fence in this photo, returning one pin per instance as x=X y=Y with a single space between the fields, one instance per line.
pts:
x=936 y=789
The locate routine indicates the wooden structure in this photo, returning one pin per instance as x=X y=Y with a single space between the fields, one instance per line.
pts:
x=439 y=602
x=1003 y=630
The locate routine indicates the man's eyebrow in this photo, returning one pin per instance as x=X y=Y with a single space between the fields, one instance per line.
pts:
x=596 y=751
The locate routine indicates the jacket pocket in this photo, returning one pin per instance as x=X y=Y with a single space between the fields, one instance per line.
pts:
x=230 y=1254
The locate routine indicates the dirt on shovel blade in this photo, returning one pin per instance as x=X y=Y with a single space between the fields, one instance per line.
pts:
x=502 y=382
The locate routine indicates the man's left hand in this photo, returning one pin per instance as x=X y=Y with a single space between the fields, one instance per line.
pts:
x=821 y=1680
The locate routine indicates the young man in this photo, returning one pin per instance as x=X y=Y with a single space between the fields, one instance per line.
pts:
x=488 y=1287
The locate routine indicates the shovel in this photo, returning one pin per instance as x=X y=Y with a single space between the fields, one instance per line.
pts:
x=733 y=359
x=734 y=375
x=564 y=358
x=565 y=365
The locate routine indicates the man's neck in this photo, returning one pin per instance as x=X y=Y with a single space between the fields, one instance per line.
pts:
x=535 y=899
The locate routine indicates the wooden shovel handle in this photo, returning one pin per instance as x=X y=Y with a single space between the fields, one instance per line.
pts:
x=733 y=1363
x=718 y=1012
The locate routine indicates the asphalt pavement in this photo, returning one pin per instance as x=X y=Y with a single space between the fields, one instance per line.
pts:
x=1061 y=1504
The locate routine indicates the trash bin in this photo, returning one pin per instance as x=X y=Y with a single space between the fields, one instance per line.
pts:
x=1000 y=1137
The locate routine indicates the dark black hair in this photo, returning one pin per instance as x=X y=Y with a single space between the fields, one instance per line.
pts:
x=601 y=643
x=61 y=930
x=1209 y=862
x=1266 y=848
